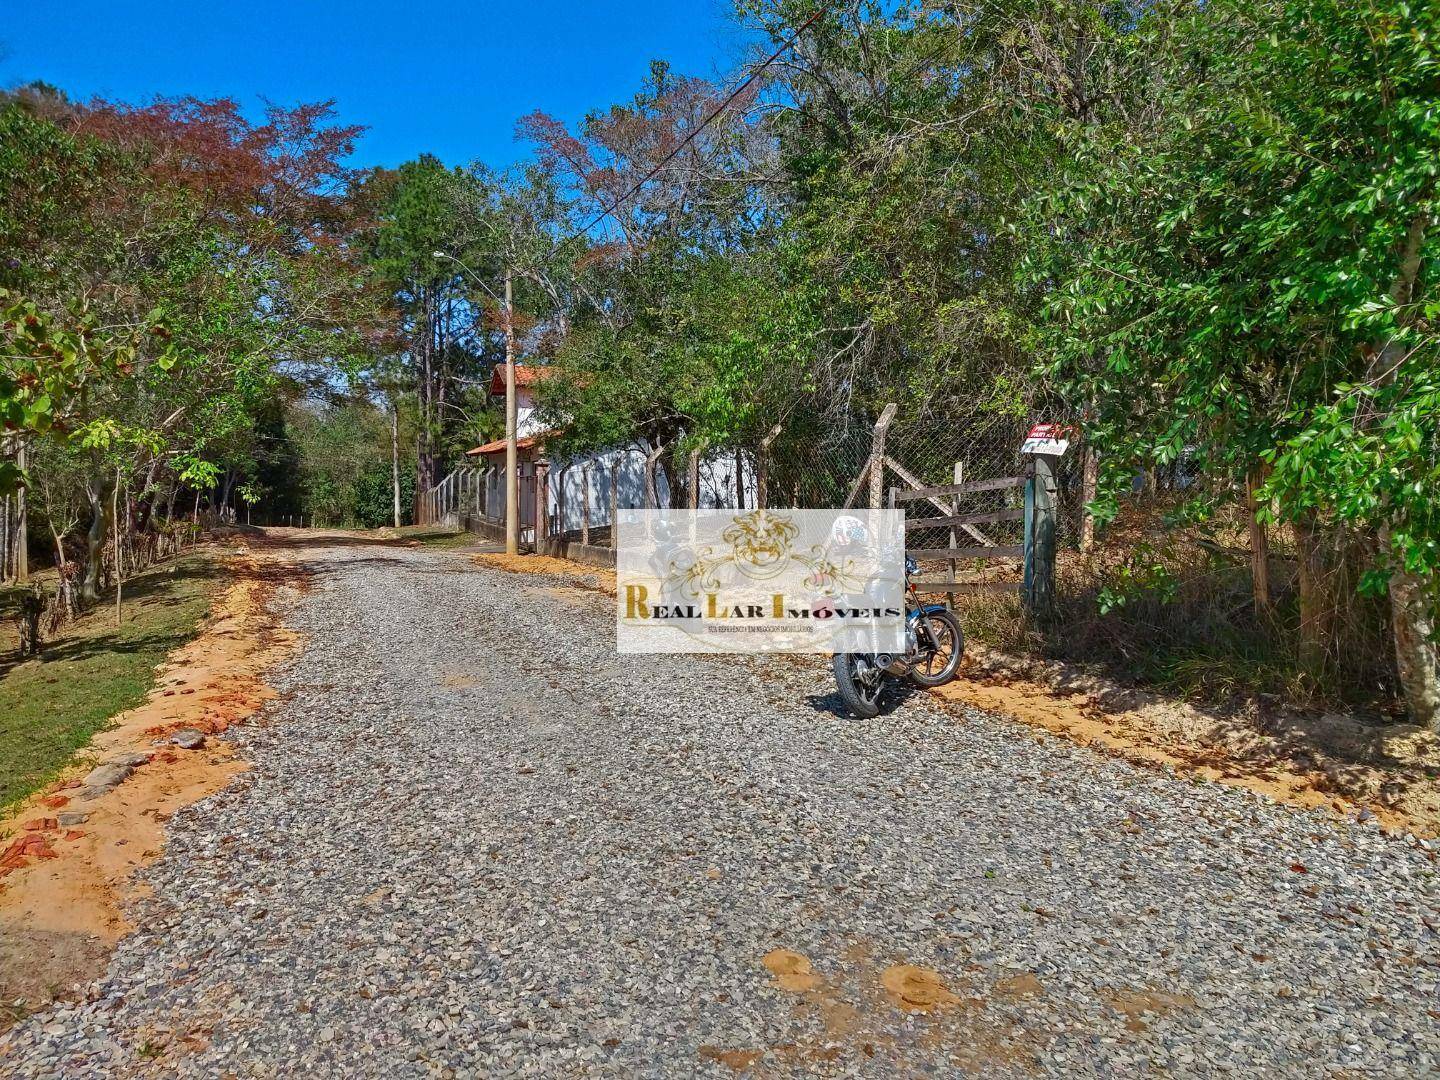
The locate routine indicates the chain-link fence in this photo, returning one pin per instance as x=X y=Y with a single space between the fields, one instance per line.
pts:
x=796 y=466
x=1149 y=595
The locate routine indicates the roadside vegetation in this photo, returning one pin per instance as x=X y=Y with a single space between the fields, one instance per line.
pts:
x=1202 y=233
x=52 y=704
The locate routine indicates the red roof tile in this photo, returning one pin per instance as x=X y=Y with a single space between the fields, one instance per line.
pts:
x=498 y=446
x=525 y=375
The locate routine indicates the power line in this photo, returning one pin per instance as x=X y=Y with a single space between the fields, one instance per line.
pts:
x=690 y=137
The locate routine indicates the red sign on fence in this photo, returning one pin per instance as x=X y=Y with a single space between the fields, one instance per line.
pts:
x=1046 y=439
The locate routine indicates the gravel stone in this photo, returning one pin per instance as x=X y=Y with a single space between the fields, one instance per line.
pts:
x=475 y=841
x=104 y=777
x=132 y=760
x=188 y=739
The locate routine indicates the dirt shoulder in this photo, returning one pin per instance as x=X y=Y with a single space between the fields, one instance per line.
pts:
x=1342 y=764
x=600 y=579
x=72 y=850
x=1386 y=772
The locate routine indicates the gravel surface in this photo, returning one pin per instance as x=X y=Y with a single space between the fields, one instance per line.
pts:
x=476 y=841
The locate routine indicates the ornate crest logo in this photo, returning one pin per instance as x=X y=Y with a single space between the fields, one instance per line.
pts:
x=761 y=549
x=730 y=581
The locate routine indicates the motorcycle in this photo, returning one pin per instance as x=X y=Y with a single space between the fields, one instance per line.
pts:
x=934 y=645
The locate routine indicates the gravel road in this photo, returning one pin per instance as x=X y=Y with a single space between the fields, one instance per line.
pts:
x=475 y=841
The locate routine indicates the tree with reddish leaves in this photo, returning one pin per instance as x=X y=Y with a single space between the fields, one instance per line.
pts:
x=229 y=239
x=616 y=163
x=286 y=173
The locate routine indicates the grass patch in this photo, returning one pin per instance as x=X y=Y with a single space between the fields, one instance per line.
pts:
x=51 y=706
x=438 y=536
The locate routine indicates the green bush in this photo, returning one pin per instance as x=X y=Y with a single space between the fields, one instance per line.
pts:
x=371 y=499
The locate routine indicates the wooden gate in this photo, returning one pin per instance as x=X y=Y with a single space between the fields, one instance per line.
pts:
x=950 y=500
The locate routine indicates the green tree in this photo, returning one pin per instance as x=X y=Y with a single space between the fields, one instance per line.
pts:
x=1250 y=274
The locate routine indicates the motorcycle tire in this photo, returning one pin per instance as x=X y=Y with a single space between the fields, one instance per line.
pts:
x=858 y=697
x=949 y=626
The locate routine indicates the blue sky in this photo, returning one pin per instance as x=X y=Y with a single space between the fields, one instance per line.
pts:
x=448 y=78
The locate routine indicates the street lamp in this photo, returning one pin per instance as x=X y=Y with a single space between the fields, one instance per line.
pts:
x=512 y=455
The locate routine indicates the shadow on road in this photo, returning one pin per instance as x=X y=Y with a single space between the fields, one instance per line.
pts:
x=893 y=697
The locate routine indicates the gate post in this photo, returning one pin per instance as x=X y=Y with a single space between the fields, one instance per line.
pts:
x=1040 y=512
x=877 y=456
x=542 y=507
x=585 y=502
x=561 y=510
x=614 y=498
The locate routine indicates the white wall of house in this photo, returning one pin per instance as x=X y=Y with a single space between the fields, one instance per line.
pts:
x=718 y=485
x=622 y=469
x=527 y=416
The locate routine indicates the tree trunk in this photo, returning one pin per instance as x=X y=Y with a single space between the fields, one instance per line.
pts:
x=679 y=476
x=5 y=538
x=395 y=457
x=1259 y=545
x=146 y=503
x=64 y=585
x=22 y=525
x=1089 y=488
x=1316 y=608
x=226 y=490
x=116 y=532
x=97 y=535
x=652 y=489
x=1412 y=623
x=1412 y=615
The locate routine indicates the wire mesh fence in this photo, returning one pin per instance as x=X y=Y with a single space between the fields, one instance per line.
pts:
x=1148 y=594
x=796 y=466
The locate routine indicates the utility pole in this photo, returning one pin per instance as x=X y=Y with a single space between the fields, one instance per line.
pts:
x=512 y=462
x=512 y=476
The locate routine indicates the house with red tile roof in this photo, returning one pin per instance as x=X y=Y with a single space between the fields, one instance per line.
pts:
x=612 y=478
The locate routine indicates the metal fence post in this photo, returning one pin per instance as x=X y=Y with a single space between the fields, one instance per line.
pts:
x=1040 y=512
x=542 y=507
x=585 y=502
x=562 y=510
x=694 y=478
